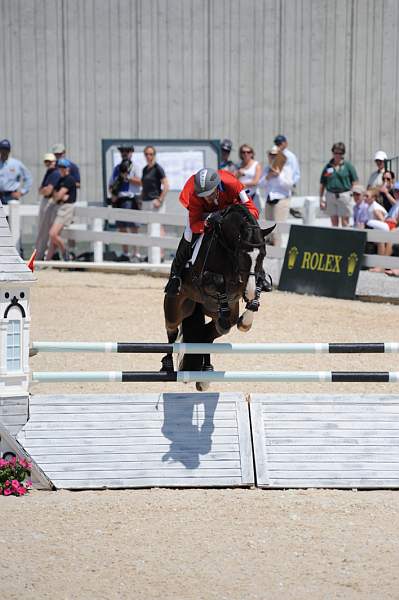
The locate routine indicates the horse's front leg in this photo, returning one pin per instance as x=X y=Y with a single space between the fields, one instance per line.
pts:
x=172 y=311
x=245 y=321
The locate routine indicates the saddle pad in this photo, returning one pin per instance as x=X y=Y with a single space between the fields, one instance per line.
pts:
x=196 y=250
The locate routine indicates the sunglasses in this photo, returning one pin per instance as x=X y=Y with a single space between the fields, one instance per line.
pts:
x=148 y=154
x=246 y=151
x=338 y=153
x=386 y=179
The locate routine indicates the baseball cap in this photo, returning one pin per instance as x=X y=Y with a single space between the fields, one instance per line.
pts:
x=58 y=148
x=5 y=145
x=279 y=139
x=380 y=155
x=226 y=144
x=49 y=156
x=358 y=189
x=63 y=162
x=274 y=150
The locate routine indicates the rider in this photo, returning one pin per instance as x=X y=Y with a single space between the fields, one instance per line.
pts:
x=204 y=194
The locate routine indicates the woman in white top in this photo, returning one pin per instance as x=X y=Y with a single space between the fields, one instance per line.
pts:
x=376 y=220
x=249 y=173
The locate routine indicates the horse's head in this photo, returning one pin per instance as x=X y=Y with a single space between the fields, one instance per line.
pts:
x=245 y=241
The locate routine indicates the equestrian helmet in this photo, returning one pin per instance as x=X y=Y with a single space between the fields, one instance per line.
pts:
x=205 y=182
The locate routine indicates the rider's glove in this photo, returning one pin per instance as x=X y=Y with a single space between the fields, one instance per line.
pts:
x=212 y=221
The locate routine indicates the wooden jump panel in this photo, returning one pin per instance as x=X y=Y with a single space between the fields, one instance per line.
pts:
x=326 y=441
x=141 y=440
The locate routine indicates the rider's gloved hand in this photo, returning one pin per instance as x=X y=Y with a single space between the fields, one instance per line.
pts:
x=212 y=221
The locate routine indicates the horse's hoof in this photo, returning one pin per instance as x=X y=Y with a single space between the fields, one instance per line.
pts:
x=202 y=386
x=167 y=364
x=242 y=326
x=222 y=326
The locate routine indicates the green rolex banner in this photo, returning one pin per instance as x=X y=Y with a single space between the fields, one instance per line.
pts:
x=322 y=261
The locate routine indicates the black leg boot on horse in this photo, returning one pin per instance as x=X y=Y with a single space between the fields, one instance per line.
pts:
x=183 y=255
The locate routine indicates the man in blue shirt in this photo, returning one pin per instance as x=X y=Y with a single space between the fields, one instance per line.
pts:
x=15 y=178
x=59 y=151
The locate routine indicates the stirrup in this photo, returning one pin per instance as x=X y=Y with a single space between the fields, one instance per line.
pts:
x=173 y=286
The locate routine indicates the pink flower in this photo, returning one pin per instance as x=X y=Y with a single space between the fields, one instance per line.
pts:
x=3 y=463
x=28 y=483
x=15 y=484
x=7 y=492
x=22 y=490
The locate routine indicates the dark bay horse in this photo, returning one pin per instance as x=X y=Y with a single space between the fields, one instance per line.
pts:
x=228 y=268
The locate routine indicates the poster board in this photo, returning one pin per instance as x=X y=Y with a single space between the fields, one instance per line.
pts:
x=179 y=159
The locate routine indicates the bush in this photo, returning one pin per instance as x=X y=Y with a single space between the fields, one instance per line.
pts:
x=13 y=477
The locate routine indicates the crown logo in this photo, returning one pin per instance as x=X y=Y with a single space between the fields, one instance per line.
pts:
x=292 y=256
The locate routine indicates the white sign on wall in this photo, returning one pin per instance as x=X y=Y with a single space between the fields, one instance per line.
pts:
x=178 y=165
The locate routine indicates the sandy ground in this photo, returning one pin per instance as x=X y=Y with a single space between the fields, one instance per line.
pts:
x=186 y=544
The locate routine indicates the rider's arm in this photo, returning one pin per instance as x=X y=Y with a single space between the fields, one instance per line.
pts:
x=196 y=215
x=248 y=203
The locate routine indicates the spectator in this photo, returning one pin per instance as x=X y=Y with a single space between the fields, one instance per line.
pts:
x=59 y=151
x=387 y=198
x=384 y=222
x=375 y=178
x=360 y=214
x=65 y=197
x=124 y=187
x=292 y=162
x=15 y=178
x=226 y=164
x=249 y=173
x=155 y=185
x=48 y=206
x=277 y=179
x=338 y=177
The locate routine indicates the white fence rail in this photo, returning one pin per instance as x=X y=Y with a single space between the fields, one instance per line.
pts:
x=91 y=221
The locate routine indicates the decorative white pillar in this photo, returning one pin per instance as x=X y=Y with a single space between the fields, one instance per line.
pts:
x=16 y=280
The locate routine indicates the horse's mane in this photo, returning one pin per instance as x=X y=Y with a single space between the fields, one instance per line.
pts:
x=243 y=210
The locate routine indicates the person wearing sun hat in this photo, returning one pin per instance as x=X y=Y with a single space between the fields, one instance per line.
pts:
x=375 y=179
x=48 y=207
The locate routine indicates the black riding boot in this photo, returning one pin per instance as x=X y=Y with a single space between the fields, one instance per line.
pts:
x=183 y=254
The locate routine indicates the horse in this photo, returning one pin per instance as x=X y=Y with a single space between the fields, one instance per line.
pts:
x=227 y=268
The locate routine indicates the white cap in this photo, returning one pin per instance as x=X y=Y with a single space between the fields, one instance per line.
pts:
x=380 y=155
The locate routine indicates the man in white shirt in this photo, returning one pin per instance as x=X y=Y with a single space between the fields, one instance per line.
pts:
x=282 y=144
x=278 y=183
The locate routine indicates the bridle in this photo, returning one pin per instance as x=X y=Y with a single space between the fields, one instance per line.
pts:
x=242 y=245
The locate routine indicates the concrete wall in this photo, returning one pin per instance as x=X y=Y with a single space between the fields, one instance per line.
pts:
x=319 y=71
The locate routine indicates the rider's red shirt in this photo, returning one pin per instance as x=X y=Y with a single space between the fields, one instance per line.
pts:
x=229 y=191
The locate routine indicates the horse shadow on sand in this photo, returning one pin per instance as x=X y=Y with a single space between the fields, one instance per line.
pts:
x=188 y=424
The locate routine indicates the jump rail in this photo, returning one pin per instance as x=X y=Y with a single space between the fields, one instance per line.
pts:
x=227 y=376
x=221 y=348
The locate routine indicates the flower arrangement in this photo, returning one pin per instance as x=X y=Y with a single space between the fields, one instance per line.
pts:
x=13 y=477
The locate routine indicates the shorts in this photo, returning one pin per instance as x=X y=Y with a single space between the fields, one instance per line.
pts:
x=341 y=206
x=65 y=214
x=131 y=204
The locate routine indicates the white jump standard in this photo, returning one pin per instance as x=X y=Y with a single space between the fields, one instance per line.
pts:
x=218 y=348
x=221 y=376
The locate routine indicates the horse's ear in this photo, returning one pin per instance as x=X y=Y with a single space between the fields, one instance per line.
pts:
x=267 y=232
